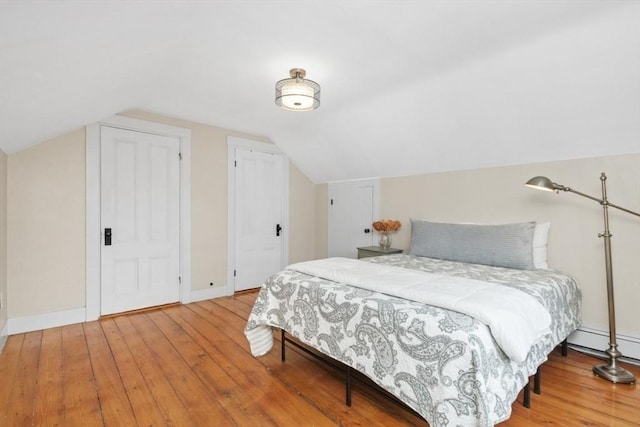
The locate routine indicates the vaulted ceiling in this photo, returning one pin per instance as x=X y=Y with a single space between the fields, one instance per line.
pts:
x=407 y=87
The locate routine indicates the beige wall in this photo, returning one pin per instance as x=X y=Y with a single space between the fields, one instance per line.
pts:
x=46 y=217
x=498 y=195
x=46 y=227
x=302 y=216
x=3 y=243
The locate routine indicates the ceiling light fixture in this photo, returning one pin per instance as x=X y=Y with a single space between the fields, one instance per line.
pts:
x=297 y=93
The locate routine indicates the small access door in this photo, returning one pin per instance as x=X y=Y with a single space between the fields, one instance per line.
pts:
x=353 y=206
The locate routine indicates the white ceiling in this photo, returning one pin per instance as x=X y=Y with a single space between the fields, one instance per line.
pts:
x=407 y=87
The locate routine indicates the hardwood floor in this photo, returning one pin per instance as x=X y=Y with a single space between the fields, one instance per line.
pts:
x=190 y=366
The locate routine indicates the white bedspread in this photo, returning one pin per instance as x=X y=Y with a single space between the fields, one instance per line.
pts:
x=517 y=320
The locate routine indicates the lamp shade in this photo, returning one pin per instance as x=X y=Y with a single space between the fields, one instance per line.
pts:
x=541 y=183
x=297 y=93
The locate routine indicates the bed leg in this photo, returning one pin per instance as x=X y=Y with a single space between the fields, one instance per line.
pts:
x=565 y=348
x=282 y=345
x=536 y=382
x=527 y=396
x=348 y=386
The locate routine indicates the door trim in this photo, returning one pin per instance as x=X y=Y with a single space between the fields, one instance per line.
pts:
x=93 y=230
x=233 y=143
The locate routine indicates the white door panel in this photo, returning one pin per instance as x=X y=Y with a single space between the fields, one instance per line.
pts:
x=353 y=206
x=259 y=210
x=140 y=203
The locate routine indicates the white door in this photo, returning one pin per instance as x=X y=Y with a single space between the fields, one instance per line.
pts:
x=140 y=220
x=259 y=217
x=353 y=206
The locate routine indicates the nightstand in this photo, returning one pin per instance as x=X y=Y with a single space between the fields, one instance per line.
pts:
x=368 y=251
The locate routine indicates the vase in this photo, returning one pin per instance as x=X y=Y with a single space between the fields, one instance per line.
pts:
x=385 y=240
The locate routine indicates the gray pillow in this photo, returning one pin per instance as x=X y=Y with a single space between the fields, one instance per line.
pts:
x=505 y=245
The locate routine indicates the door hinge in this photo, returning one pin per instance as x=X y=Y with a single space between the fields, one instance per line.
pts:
x=180 y=280
x=235 y=164
x=331 y=202
x=180 y=156
x=234 y=273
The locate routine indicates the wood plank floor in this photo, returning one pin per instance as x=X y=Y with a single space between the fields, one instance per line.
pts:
x=190 y=365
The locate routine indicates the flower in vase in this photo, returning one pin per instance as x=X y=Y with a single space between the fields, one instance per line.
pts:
x=384 y=227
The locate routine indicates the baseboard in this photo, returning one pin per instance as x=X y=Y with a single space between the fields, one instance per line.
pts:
x=209 y=293
x=4 y=333
x=596 y=341
x=18 y=325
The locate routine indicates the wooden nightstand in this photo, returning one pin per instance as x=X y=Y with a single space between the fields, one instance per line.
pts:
x=368 y=251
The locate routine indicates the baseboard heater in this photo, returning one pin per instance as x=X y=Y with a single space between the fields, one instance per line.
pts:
x=593 y=341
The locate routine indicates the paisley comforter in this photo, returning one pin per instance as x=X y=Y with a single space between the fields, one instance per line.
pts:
x=443 y=364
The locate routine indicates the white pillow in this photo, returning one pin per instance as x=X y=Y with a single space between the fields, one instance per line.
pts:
x=540 y=240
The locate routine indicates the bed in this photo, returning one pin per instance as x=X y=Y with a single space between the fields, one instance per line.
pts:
x=449 y=367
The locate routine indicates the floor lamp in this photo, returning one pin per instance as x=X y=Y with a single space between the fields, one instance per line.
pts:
x=611 y=371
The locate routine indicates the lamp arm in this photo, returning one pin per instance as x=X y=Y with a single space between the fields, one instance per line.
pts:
x=601 y=201
x=623 y=209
